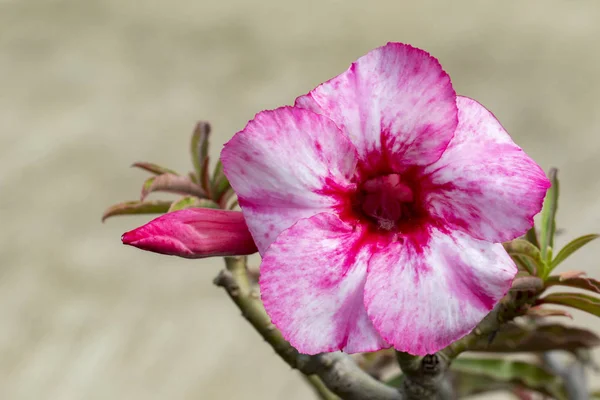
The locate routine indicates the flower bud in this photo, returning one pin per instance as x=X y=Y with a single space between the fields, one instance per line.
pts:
x=194 y=233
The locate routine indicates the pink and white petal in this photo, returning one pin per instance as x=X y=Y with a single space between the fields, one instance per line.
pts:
x=422 y=295
x=396 y=104
x=311 y=281
x=484 y=184
x=287 y=164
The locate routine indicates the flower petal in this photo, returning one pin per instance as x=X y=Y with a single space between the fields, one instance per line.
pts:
x=396 y=104
x=433 y=289
x=311 y=282
x=194 y=233
x=287 y=164
x=484 y=184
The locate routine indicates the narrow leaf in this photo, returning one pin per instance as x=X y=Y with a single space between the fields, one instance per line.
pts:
x=172 y=184
x=192 y=202
x=205 y=178
x=579 y=301
x=572 y=247
x=469 y=384
x=543 y=312
x=563 y=276
x=517 y=338
x=548 y=226
x=234 y=205
x=153 y=168
x=524 y=249
x=220 y=183
x=225 y=197
x=532 y=237
x=137 y=207
x=524 y=264
x=199 y=149
x=528 y=375
x=579 y=282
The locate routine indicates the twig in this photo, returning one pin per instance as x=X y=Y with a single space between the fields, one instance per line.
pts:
x=337 y=371
x=425 y=377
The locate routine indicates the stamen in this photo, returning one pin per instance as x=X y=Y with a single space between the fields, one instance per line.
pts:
x=385 y=198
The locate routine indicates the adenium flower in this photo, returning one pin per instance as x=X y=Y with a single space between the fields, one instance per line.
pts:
x=378 y=202
x=194 y=233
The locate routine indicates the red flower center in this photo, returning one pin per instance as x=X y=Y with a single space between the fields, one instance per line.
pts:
x=387 y=200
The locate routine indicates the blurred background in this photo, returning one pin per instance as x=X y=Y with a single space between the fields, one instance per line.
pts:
x=88 y=87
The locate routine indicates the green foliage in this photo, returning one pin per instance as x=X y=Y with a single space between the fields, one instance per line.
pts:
x=154 y=168
x=528 y=255
x=571 y=248
x=137 y=207
x=514 y=337
x=501 y=373
x=579 y=301
x=192 y=202
x=548 y=227
x=172 y=184
x=579 y=282
x=199 y=151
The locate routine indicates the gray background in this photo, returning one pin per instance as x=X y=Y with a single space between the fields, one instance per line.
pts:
x=88 y=87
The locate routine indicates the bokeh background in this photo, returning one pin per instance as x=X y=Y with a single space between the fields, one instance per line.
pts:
x=88 y=87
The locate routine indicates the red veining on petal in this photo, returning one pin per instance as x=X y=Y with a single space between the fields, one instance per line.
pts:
x=389 y=206
x=465 y=283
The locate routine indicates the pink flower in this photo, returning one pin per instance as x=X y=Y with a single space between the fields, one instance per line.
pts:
x=194 y=233
x=378 y=203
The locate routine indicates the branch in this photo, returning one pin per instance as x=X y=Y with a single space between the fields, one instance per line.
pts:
x=336 y=374
x=337 y=371
x=426 y=377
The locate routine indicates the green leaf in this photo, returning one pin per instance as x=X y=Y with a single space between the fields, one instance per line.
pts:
x=199 y=149
x=532 y=237
x=192 y=202
x=543 y=312
x=523 y=249
x=469 y=384
x=579 y=301
x=548 y=226
x=220 y=183
x=579 y=282
x=525 y=264
x=153 y=168
x=225 y=197
x=137 y=207
x=172 y=184
x=233 y=205
x=521 y=373
x=571 y=248
x=518 y=338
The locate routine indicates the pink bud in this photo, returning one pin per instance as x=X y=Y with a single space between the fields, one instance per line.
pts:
x=194 y=233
